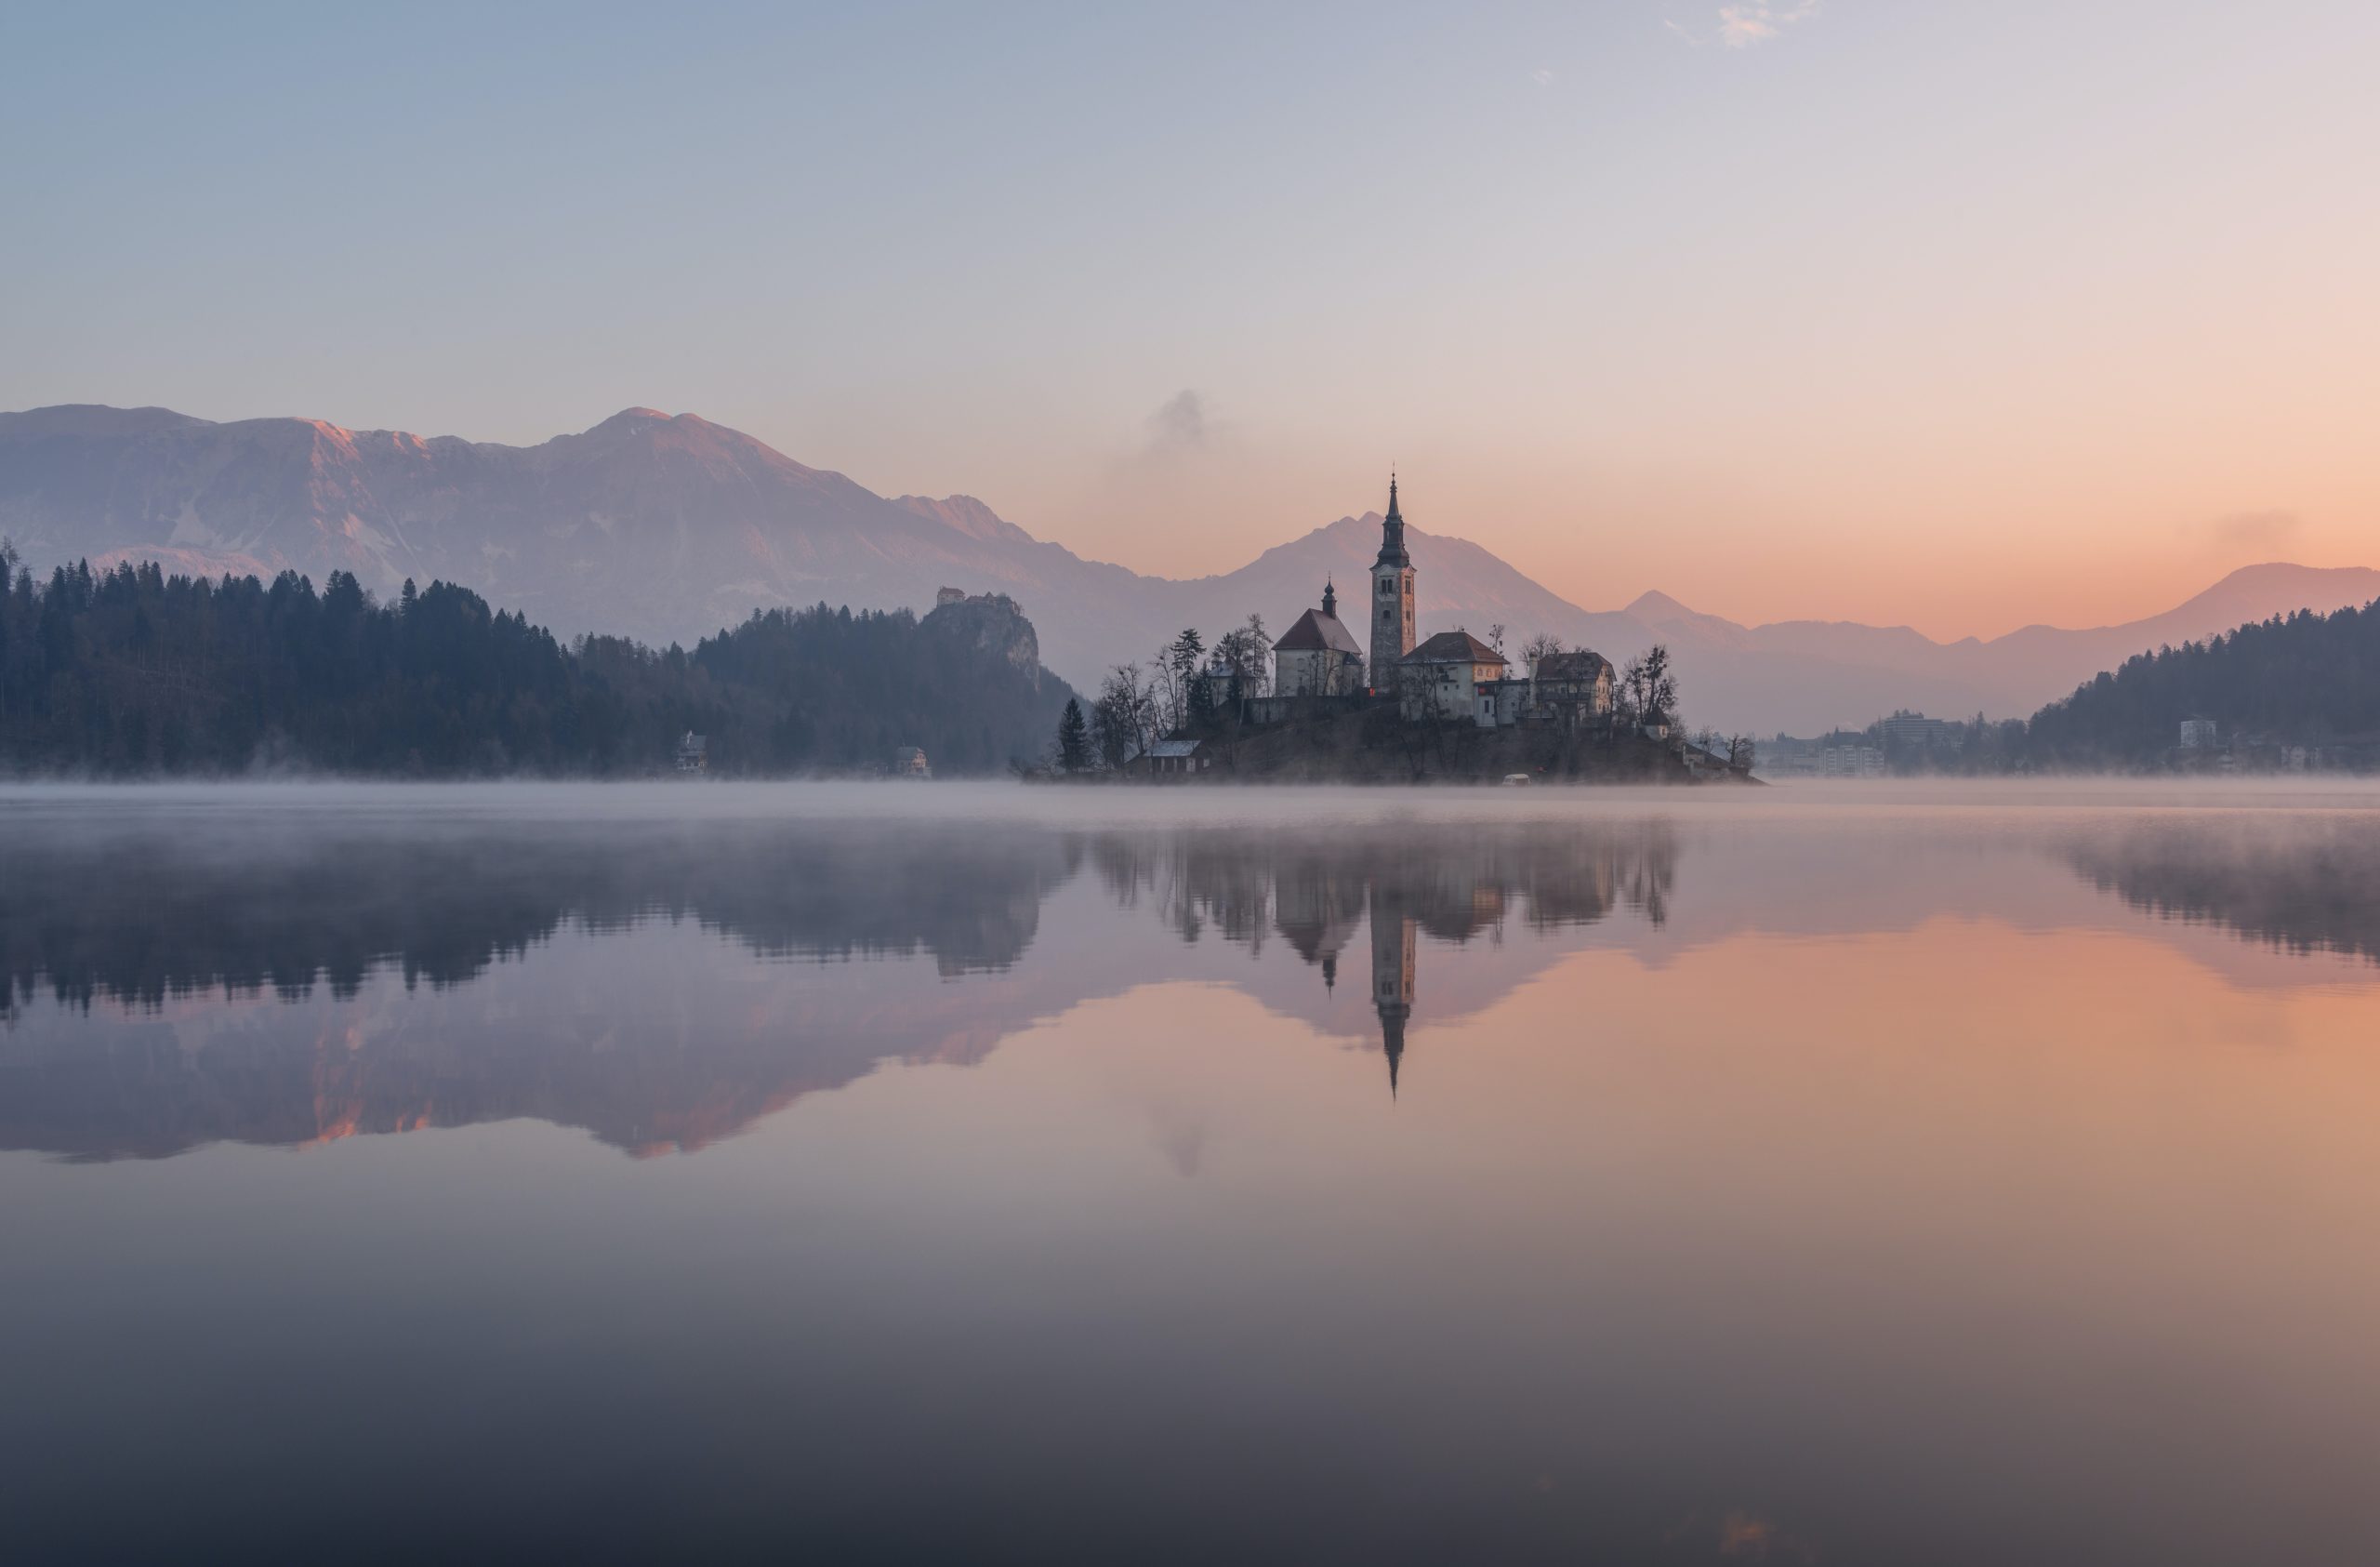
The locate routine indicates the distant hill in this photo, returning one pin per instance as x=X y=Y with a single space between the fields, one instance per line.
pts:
x=2307 y=679
x=666 y=527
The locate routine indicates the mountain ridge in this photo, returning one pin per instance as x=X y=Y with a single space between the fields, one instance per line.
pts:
x=669 y=527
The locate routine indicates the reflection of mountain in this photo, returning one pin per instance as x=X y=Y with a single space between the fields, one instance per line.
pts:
x=648 y=1041
x=280 y=976
x=140 y=917
x=2302 y=885
x=291 y=983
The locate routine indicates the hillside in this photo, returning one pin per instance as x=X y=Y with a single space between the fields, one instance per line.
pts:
x=664 y=528
x=2309 y=679
x=130 y=671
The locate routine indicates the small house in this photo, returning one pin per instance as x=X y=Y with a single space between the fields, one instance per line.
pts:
x=693 y=753
x=909 y=762
x=1173 y=759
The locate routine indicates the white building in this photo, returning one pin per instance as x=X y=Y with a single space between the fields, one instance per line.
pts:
x=2198 y=734
x=1451 y=676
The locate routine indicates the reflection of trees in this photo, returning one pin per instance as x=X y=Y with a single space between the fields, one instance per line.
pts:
x=628 y=1040
x=139 y=918
x=2306 y=887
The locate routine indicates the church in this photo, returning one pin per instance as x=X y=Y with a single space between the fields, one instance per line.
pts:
x=1318 y=656
x=1449 y=677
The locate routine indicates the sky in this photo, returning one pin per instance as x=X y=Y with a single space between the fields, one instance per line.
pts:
x=1955 y=315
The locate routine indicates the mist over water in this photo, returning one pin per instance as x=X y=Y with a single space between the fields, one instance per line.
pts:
x=1853 y=1174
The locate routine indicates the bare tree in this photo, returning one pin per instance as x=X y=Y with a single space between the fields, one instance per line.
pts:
x=1168 y=690
x=1123 y=716
x=1496 y=638
x=1538 y=648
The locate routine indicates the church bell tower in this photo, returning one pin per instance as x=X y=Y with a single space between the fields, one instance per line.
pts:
x=1391 y=611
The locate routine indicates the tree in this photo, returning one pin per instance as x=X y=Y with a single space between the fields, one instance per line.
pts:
x=1174 y=677
x=129 y=670
x=1496 y=638
x=1538 y=648
x=1187 y=649
x=1074 y=739
x=1246 y=651
x=1647 y=690
x=1121 y=718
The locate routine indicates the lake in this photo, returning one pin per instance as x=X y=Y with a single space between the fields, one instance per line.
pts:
x=949 y=1172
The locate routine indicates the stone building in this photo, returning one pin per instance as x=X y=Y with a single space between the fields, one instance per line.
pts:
x=1573 y=688
x=1442 y=678
x=1391 y=612
x=1318 y=656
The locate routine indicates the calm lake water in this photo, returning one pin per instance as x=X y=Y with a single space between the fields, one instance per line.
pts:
x=947 y=1174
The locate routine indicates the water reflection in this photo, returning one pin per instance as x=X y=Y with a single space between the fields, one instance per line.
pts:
x=2301 y=883
x=176 y=942
x=1478 y=1180
x=668 y=983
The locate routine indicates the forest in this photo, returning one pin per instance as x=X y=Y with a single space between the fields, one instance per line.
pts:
x=2304 y=678
x=128 y=672
x=2307 y=681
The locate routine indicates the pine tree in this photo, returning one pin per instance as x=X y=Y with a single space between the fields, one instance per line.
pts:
x=1074 y=739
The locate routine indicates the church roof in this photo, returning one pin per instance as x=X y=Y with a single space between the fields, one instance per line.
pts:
x=1454 y=647
x=1317 y=632
x=1577 y=664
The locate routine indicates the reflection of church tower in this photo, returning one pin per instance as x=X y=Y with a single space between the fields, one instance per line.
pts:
x=1393 y=936
x=1391 y=611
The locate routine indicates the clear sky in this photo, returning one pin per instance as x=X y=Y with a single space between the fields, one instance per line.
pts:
x=1961 y=315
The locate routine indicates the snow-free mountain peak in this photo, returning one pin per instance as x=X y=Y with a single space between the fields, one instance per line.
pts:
x=669 y=527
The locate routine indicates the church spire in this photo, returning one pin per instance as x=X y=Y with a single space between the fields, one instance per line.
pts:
x=1329 y=598
x=1392 y=531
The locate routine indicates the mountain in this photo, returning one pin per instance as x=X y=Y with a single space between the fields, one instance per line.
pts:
x=668 y=527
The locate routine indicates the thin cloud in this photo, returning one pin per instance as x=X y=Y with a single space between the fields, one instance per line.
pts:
x=1742 y=25
x=1181 y=424
x=2264 y=532
x=1542 y=76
